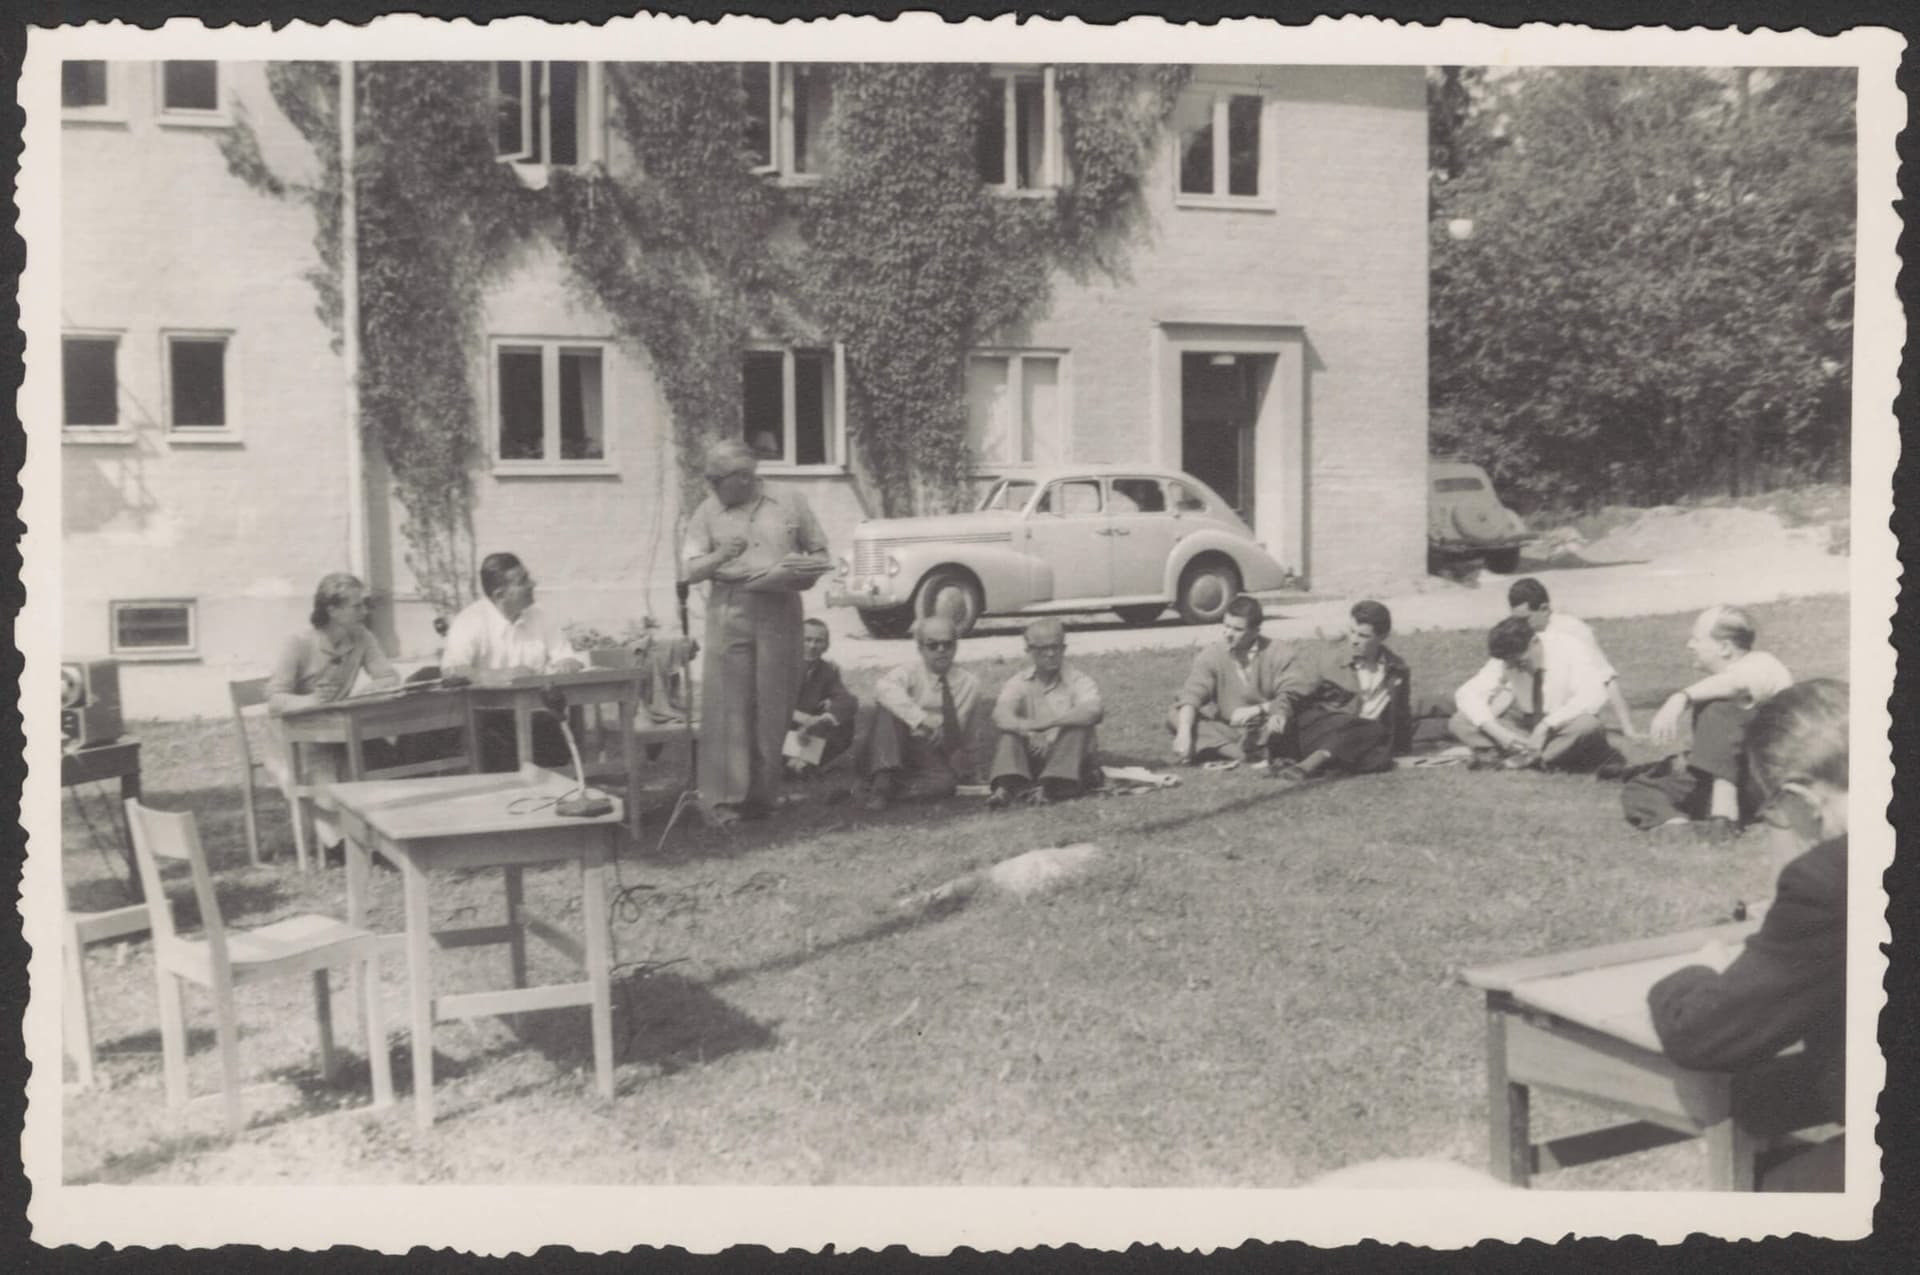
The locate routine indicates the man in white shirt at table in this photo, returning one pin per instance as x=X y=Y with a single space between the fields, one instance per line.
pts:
x=1528 y=597
x=501 y=637
x=1535 y=703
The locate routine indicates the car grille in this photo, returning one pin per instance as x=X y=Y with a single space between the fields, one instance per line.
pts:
x=869 y=558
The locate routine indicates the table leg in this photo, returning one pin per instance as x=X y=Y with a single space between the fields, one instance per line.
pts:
x=304 y=833
x=358 y=865
x=1509 y=1115
x=130 y=791
x=76 y=1016
x=593 y=910
x=1731 y=1155
x=630 y=753
x=420 y=990
x=516 y=933
x=522 y=735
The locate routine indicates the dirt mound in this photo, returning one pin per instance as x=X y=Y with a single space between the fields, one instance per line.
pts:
x=1625 y=535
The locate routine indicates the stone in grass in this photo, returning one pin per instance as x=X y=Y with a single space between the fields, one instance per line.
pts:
x=1021 y=877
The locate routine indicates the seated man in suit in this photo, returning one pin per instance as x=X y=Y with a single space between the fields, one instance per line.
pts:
x=1234 y=703
x=502 y=636
x=1357 y=709
x=918 y=743
x=824 y=708
x=1696 y=795
x=1045 y=718
x=1535 y=703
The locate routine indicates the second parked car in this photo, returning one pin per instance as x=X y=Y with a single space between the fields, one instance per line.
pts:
x=1127 y=539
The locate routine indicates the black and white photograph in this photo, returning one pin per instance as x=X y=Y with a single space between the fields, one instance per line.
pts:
x=872 y=632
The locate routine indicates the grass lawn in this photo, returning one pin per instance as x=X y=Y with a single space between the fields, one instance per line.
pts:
x=1252 y=987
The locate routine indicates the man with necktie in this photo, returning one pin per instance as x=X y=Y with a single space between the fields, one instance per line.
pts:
x=918 y=744
x=1535 y=702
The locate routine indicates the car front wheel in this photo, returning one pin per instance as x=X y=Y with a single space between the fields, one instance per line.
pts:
x=950 y=592
x=1206 y=587
x=1503 y=562
x=888 y=622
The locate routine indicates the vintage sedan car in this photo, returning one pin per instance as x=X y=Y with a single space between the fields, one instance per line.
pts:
x=1130 y=539
x=1465 y=519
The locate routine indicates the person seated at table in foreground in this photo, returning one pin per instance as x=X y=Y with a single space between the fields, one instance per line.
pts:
x=917 y=743
x=1528 y=597
x=1788 y=982
x=321 y=664
x=1357 y=708
x=1696 y=795
x=1535 y=703
x=1044 y=719
x=1233 y=705
x=824 y=709
x=498 y=638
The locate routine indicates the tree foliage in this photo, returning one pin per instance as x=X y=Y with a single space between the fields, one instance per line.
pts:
x=1656 y=295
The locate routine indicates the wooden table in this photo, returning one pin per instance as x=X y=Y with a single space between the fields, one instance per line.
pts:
x=119 y=760
x=355 y=720
x=1577 y=1024
x=587 y=688
x=469 y=822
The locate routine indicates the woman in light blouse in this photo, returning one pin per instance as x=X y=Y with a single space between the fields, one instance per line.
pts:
x=320 y=665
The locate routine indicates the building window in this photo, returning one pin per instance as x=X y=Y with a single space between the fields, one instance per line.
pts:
x=190 y=88
x=83 y=85
x=549 y=113
x=1223 y=151
x=1015 y=409
x=196 y=370
x=90 y=381
x=1018 y=147
x=792 y=411
x=550 y=401
x=153 y=628
x=789 y=121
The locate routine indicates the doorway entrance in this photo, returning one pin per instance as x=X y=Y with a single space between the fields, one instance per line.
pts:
x=1220 y=395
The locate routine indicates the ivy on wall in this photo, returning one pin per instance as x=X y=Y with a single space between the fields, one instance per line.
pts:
x=900 y=253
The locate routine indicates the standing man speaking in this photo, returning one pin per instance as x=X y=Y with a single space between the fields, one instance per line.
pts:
x=760 y=551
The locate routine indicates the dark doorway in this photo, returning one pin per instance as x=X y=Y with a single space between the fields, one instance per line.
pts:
x=1219 y=405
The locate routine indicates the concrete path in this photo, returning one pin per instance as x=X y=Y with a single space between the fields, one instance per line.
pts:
x=1787 y=564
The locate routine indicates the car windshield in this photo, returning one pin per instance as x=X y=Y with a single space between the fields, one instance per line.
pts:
x=1456 y=484
x=1009 y=494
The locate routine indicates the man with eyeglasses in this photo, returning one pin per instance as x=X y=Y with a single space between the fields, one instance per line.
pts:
x=917 y=745
x=1045 y=718
x=502 y=636
x=759 y=551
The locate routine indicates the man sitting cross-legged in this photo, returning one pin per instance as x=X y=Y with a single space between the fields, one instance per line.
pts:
x=1528 y=597
x=1357 y=705
x=917 y=744
x=1234 y=703
x=824 y=708
x=1535 y=702
x=1696 y=795
x=1045 y=718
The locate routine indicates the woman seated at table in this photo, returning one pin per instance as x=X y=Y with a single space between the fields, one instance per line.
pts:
x=1789 y=981
x=321 y=664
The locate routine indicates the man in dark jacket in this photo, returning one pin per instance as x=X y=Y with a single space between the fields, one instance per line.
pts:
x=1357 y=709
x=824 y=709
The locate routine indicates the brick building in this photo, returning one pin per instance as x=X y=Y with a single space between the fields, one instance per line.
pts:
x=1270 y=337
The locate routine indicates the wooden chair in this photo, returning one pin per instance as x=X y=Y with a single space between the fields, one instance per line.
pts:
x=249 y=698
x=220 y=961
x=82 y=930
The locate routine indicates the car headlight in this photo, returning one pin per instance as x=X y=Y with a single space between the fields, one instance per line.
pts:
x=893 y=565
x=841 y=566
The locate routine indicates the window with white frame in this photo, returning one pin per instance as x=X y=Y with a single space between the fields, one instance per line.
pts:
x=86 y=89
x=789 y=118
x=549 y=112
x=1223 y=146
x=792 y=409
x=160 y=627
x=197 y=390
x=190 y=90
x=90 y=381
x=550 y=401
x=1018 y=147
x=1016 y=411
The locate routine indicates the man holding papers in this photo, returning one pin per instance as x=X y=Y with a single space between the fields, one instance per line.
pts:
x=758 y=551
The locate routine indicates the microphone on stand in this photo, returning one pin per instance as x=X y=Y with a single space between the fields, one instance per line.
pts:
x=582 y=802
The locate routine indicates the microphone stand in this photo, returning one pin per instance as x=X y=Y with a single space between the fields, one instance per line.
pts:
x=582 y=802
